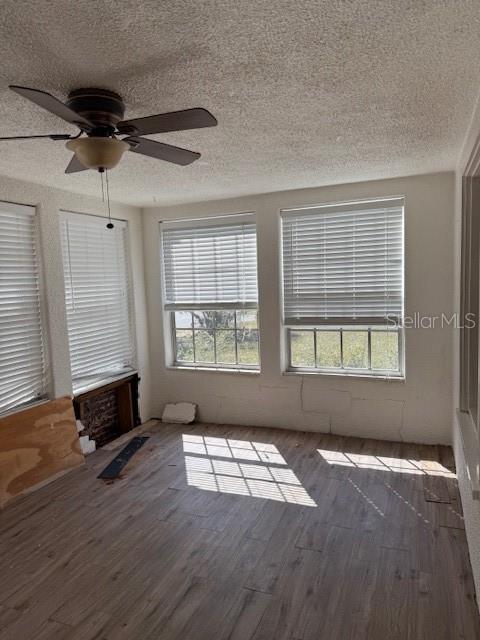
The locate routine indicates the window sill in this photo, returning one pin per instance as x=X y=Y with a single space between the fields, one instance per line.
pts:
x=101 y=382
x=24 y=407
x=244 y=372
x=358 y=376
x=471 y=451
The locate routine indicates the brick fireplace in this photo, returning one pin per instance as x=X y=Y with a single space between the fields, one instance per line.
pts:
x=110 y=410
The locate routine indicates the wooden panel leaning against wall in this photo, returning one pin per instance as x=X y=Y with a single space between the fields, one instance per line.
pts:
x=37 y=445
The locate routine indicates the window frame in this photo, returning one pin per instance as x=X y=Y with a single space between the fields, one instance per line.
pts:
x=184 y=364
x=42 y=309
x=469 y=351
x=469 y=302
x=379 y=374
x=80 y=383
x=168 y=314
x=347 y=371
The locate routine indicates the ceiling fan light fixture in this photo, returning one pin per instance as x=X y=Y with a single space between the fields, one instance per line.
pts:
x=98 y=153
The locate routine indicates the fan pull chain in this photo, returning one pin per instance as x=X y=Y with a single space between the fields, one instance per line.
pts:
x=100 y=171
x=110 y=224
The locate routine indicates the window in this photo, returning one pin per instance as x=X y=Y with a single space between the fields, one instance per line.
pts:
x=210 y=285
x=343 y=287
x=97 y=291
x=22 y=364
x=469 y=339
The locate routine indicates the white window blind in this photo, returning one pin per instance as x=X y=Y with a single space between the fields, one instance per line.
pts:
x=97 y=291
x=343 y=264
x=210 y=264
x=22 y=367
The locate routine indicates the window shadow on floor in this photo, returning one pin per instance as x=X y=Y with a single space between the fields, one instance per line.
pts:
x=242 y=467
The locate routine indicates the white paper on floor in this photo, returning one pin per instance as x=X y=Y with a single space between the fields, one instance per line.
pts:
x=180 y=412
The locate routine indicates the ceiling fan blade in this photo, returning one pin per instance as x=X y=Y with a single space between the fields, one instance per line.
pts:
x=75 y=165
x=162 y=151
x=52 y=136
x=51 y=104
x=164 y=122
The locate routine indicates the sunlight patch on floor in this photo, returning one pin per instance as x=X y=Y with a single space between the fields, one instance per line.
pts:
x=244 y=472
x=383 y=463
x=235 y=449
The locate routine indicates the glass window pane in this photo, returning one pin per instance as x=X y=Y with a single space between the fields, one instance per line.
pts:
x=183 y=319
x=225 y=319
x=184 y=344
x=384 y=350
x=204 y=346
x=302 y=349
x=328 y=349
x=204 y=319
x=247 y=319
x=225 y=346
x=247 y=346
x=355 y=349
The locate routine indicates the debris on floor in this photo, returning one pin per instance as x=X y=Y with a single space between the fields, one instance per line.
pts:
x=87 y=445
x=116 y=466
x=179 y=413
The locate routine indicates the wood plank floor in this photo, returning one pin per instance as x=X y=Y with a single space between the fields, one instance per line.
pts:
x=236 y=533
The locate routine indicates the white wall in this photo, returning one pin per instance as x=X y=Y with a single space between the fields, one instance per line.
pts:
x=418 y=409
x=48 y=203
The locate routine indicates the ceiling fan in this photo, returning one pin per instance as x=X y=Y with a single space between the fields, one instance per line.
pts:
x=98 y=113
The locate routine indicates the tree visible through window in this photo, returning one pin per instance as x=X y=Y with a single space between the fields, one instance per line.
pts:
x=210 y=281
x=216 y=337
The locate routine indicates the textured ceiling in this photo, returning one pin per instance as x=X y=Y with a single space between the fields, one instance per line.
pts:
x=306 y=92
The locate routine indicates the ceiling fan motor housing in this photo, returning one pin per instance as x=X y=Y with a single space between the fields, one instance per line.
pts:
x=101 y=107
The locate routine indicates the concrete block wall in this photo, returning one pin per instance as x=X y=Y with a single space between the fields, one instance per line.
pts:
x=418 y=409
